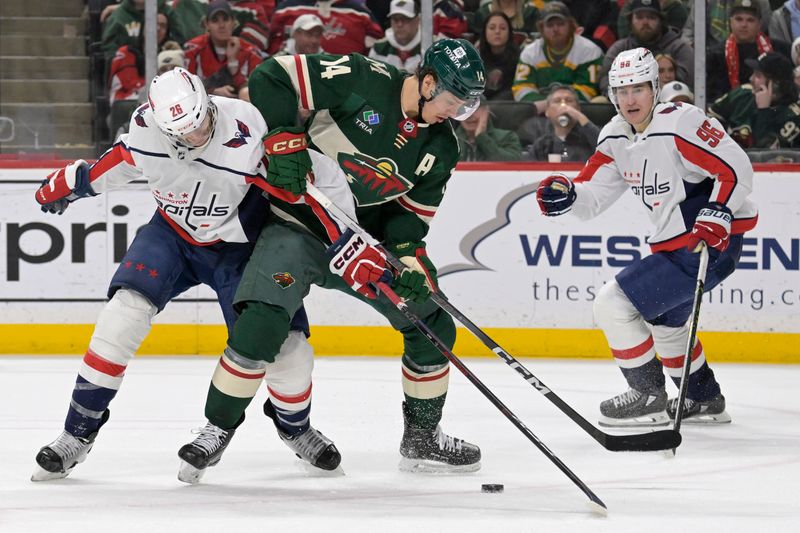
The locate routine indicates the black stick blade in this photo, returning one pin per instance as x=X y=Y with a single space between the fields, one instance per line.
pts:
x=664 y=439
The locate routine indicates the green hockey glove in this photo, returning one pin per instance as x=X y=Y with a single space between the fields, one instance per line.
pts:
x=418 y=279
x=289 y=162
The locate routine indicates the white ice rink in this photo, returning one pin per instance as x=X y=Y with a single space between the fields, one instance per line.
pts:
x=741 y=477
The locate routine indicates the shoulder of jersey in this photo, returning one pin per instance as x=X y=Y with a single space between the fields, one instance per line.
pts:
x=673 y=118
x=616 y=127
x=237 y=118
x=533 y=51
x=584 y=50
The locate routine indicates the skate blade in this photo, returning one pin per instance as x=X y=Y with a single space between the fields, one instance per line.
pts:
x=314 y=471
x=189 y=474
x=43 y=475
x=651 y=420
x=708 y=419
x=422 y=466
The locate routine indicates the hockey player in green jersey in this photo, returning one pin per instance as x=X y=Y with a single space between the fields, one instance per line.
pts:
x=390 y=135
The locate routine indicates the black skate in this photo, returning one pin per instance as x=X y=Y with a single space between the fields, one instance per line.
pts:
x=633 y=409
x=57 y=459
x=204 y=451
x=310 y=446
x=432 y=450
x=710 y=412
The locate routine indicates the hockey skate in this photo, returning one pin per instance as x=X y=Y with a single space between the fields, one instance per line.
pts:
x=710 y=412
x=432 y=450
x=634 y=409
x=310 y=446
x=204 y=451
x=57 y=459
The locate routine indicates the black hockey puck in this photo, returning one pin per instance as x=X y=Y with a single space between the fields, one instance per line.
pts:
x=492 y=487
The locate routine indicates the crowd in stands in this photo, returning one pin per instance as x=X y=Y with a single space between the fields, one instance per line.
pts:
x=546 y=60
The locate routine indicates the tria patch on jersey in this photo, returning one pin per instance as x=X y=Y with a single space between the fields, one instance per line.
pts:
x=373 y=181
x=368 y=120
x=240 y=138
x=283 y=279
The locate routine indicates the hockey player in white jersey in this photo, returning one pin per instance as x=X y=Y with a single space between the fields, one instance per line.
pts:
x=199 y=155
x=694 y=182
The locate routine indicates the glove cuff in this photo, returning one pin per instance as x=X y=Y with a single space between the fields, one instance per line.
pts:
x=282 y=141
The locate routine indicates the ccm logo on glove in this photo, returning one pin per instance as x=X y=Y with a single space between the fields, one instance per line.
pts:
x=285 y=143
x=345 y=255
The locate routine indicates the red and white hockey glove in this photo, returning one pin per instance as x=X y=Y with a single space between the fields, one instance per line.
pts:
x=418 y=280
x=555 y=195
x=358 y=263
x=64 y=186
x=289 y=162
x=712 y=226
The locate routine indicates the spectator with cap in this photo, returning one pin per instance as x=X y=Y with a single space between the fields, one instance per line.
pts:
x=717 y=15
x=305 y=37
x=673 y=12
x=648 y=31
x=252 y=17
x=764 y=114
x=558 y=56
x=726 y=61
x=785 y=22
x=523 y=16
x=400 y=47
x=479 y=140
x=221 y=60
x=349 y=25
x=568 y=134
x=676 y=91
x=500 y=56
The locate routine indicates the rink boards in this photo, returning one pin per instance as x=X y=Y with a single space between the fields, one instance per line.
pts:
x=529 y=281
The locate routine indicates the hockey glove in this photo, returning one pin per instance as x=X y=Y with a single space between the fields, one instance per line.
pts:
x=289 y=162
x=713 y=226
x=555 y=195
x=64 y=186
x=358 y=263
x=418 y=279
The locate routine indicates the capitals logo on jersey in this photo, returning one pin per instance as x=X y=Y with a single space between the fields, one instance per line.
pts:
x=139 y=116
x=240 y=139
x=373 y=181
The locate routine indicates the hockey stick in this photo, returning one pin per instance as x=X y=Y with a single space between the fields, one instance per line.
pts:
x=694 y=318
x=598 y=506
x=664 y=439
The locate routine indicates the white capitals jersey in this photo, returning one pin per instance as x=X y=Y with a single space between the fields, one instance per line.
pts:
x=681 y=161
x=204 y=194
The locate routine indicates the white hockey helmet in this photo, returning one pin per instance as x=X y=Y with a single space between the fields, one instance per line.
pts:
x=631 y=67
x=179 y=103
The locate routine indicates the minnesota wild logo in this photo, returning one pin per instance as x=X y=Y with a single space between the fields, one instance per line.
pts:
x=284 y=279
x=373 y=181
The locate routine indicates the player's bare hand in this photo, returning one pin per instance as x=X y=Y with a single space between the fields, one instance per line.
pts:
x=232 y=50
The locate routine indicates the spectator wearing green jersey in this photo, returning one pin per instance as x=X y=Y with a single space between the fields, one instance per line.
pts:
x=764 y=113
x=479 y=140
x=559 y=56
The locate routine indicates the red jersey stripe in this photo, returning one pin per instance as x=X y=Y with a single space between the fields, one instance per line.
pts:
x=597 y=160
x=711 y=164
x=182 y=232
x=418 y=210
x=301 y=81
x=118 y=154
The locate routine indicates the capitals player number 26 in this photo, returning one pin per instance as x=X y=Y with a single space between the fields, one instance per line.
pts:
x=176 y=110
x=710 y=134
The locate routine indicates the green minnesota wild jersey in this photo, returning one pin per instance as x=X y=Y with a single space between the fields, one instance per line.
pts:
x=774 y=127
x=397 y=168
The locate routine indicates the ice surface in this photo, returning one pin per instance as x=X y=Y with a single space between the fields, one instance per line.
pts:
x=741 y=477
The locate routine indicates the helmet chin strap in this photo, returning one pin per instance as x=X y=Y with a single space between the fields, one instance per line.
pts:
x=422 y=100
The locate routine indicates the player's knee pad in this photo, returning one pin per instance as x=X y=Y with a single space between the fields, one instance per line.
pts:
x=289 y=376
x=612 y=308
x=419 y=349
x=260 y=331
x=122 y=325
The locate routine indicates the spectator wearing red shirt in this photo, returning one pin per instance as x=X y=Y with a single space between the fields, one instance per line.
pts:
x=350 y=26
x=222 y=61
x=126 y=74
